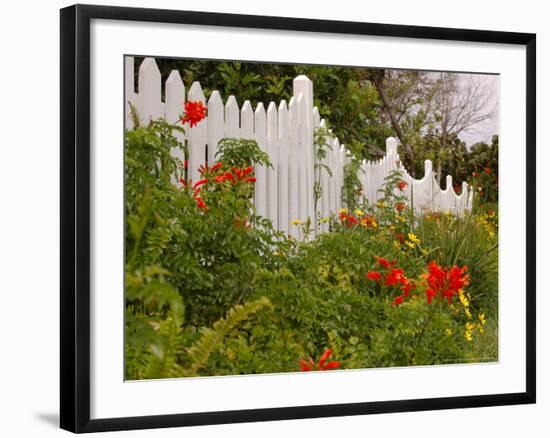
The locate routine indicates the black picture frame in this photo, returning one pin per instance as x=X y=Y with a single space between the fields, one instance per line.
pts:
x=76 y=210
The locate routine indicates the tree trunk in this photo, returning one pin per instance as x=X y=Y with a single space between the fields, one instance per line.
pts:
x=396 y=126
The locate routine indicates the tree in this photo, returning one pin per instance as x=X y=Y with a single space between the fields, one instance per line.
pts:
x=458 y=105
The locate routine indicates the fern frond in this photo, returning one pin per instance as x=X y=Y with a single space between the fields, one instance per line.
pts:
x=212 y=338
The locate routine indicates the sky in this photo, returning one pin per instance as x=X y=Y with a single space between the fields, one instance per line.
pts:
x=485 y=130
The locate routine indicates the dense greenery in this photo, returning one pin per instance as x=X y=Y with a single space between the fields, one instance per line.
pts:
x=212 y=289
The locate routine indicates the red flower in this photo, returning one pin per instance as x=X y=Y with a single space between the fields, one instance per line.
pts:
x=384 y=262
x=475 y=174
x=309 y=365
x=400 y=237
x=251 y=179
x=306 y=366
x=445 y=282
x=216 y=166
x=487 y=170
x=430 y=294
x=401 y=185
x=185 y=164
x=348 y=219
x=203 y=169
x=229 y=176
x=374 y=275
x=400 y=206
x=200 y=182
x=241 y=173
x=407 y=286
x=200 y=203
x=396 y=275
x=183 y=182
x=194 y=112
x=398 y=300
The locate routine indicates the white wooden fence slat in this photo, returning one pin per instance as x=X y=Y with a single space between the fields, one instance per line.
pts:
x=196 y=135
x=283 y=164
x=232 y=128
x=273 y=152
x=261 y=174
x=293 y=208
x=247 y=121
x=149 y=104
x=216 y=125
x=174 y=100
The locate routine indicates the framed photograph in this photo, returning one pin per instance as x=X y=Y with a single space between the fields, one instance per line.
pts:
x=267 y=218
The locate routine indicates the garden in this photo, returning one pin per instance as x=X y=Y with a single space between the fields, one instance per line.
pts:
x=213 y=288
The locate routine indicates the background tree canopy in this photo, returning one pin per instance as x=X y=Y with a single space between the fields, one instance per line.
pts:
x=427 y=111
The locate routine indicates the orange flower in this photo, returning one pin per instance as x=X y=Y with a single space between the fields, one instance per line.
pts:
x=401 y=185
x=400 y=206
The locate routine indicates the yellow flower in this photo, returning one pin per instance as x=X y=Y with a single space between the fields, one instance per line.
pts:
x=410 y=244
x=297 y=222
x=468 y=313
x=482 y=319
x=412 y=237
x=468 y=336
x=463 y=298
x=397 y=244
x=448 y=332
x=374 y=223
x=358 y=212
x=324 y=220
x=343 y=210
x=470 y=327
x=480 y=328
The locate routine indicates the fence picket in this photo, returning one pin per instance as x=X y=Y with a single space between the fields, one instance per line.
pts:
x=216 y=125
x=260 y=135
x=283 y=164
x=196 y=136
x=272 y=151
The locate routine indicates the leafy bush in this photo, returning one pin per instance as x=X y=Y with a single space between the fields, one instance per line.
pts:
x=213 y=289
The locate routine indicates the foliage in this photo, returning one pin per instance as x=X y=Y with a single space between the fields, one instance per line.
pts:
x=241 y=152
x=212 y=289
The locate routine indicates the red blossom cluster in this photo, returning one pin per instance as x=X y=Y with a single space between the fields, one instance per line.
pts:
x=445 y=282
x=394 y=277
x=194 y=112
x=439 y=281
x=401 y=185
x=322 y=365
x=348 y=219
x=217 y=175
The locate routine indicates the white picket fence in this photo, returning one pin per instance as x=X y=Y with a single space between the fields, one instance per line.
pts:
x=285 y=192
